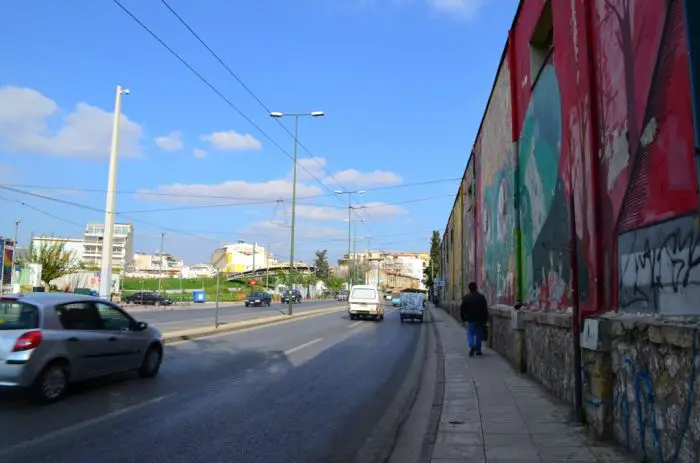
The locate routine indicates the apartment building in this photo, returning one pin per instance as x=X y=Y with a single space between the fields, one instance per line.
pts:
x=122 y=246
x=241 y=256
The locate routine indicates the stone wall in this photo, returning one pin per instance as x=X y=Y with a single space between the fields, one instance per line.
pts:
x=549 y=352
x=500 y=332
x=655 y=387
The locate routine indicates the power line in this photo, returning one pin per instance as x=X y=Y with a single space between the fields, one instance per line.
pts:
x=233 y=198
x=219 y=93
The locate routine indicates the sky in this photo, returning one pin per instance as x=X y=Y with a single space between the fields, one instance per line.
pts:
x=402 y=83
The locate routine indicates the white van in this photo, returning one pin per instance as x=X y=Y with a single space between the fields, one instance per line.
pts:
x=365 y=301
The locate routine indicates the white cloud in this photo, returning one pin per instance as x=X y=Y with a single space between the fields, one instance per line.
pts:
x=461 y=9
x=355 y=177
x=199 y=153
x=232 y=191
x=170 y=142
x=309 y=168
x=232 y=141
x=28 y=123
x=269 y=231
x=372 y=211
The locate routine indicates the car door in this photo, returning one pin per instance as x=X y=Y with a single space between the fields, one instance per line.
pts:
x=126 y=346
x=85 y=342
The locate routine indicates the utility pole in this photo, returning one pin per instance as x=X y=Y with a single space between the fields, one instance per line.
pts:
x=162 y=256
x=354 y=255
x=108 y=234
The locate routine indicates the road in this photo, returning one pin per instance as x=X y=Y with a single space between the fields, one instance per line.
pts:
x=307 y=391
x=180 y=319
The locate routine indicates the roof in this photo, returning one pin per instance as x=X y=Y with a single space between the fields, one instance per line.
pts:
x=50 y=298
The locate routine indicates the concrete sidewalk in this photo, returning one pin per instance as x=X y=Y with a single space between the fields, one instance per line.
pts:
x=489 y=413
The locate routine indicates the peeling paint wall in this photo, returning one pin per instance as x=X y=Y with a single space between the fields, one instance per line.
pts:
x=602 y=178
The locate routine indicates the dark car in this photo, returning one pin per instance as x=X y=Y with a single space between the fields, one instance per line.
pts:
x=258 y=299
x=147 y=299
x=294 y=294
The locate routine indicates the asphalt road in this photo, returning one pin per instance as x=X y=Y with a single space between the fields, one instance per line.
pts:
x=182 y=319
x=307 y=391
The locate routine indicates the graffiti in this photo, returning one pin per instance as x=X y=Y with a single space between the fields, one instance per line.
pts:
x=637 y=404
x=496 y=213
x=468 y=228
x=660 y=268
x=543 y=203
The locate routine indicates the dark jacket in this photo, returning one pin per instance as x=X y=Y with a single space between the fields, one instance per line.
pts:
x=474 y=308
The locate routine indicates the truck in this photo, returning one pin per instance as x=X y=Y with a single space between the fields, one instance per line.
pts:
x=412 y=305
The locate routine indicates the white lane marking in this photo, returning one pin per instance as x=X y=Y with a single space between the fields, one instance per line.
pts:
x=306 y=344
x=354 y=324
x=244 y=330
x=82 y=425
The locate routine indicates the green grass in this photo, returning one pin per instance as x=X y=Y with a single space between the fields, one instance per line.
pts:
x=132 y=285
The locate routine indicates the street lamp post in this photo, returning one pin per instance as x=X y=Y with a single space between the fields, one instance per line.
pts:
x=108 y=235
x=296 y=117
x=349 y=193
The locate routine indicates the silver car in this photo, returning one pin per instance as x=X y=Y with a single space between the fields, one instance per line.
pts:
x=48 y=340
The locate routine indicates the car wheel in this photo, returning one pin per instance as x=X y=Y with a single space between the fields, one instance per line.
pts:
x=151 y=362
x=51 y=384
x=157 y=303
x=381 y=317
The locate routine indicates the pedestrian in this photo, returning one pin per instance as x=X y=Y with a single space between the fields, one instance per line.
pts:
x=474 y=312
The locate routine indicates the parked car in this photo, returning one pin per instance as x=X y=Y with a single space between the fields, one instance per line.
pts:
x=343 y=295
x=396 y=299
x=49 y=340
x=258 y=299
x=147 y=298
x=294 y=294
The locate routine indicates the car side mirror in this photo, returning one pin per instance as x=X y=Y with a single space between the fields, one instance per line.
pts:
x=140 y=326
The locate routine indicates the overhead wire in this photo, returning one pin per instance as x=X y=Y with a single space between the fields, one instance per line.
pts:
x=219 y=93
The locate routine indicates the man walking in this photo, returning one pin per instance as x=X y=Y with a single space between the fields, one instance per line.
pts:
x=474 y=312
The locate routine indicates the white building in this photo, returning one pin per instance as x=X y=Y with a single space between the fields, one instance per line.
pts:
x=155 y=265
x=239 y=257
x=198 y=271
x=72 y=245
x=122 y=246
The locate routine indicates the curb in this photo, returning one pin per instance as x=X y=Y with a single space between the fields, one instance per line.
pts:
x=379 y=449
x=436 y=409
x=266 y=321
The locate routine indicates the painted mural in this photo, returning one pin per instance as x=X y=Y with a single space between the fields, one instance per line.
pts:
x=647 y=157
x=544 y=216
x=496 y=220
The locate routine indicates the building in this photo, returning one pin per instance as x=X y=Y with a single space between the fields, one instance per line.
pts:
x=155 y=265
x=392 y=270
x=198 y=271
x=123 y=245
x=583 y=169
x=74 y=246
x=241 y=256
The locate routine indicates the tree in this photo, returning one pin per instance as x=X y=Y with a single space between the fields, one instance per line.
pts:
x=54 y=259
x=321 y=264
x=334 y=282
x=434 y=263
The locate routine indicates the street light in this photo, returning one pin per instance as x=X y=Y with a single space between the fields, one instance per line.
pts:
x=349 y=193
x=108 y=234
x=296 y=117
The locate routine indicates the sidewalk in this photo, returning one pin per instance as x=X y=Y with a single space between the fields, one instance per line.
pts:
x=491 y=414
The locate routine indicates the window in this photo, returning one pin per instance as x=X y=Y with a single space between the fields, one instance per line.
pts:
x=113 y=319
x=79 y=316
x=15 y=315
x=541 y=42
x=363 y=293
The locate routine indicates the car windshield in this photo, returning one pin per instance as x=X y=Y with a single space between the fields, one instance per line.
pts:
x=396 y=296
x=363 y=293
x=256 y=295
x=15 y=315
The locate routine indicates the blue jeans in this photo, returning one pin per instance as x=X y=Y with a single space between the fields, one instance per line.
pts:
x=475 y=334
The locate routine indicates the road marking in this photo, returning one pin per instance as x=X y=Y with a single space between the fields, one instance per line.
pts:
x=82 y=425
x=354 y=324
x=306 y=344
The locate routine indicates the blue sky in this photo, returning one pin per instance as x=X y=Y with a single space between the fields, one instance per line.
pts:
x=403 y=84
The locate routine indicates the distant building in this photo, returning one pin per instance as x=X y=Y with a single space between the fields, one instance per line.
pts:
x=240 y=257
x=392 y=270
x=123 y=245
x=74 y=246
x=154 y=265
x=198 y=271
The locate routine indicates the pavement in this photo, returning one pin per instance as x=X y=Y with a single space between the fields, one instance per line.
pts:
x=313 y=390
x=167 y=320
x=483 y=411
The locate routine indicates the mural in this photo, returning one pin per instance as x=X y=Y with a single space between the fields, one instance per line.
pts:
x=469 y=226
x=496 y=217
x=544 y=216
x=606 y=147
x=647 y=159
